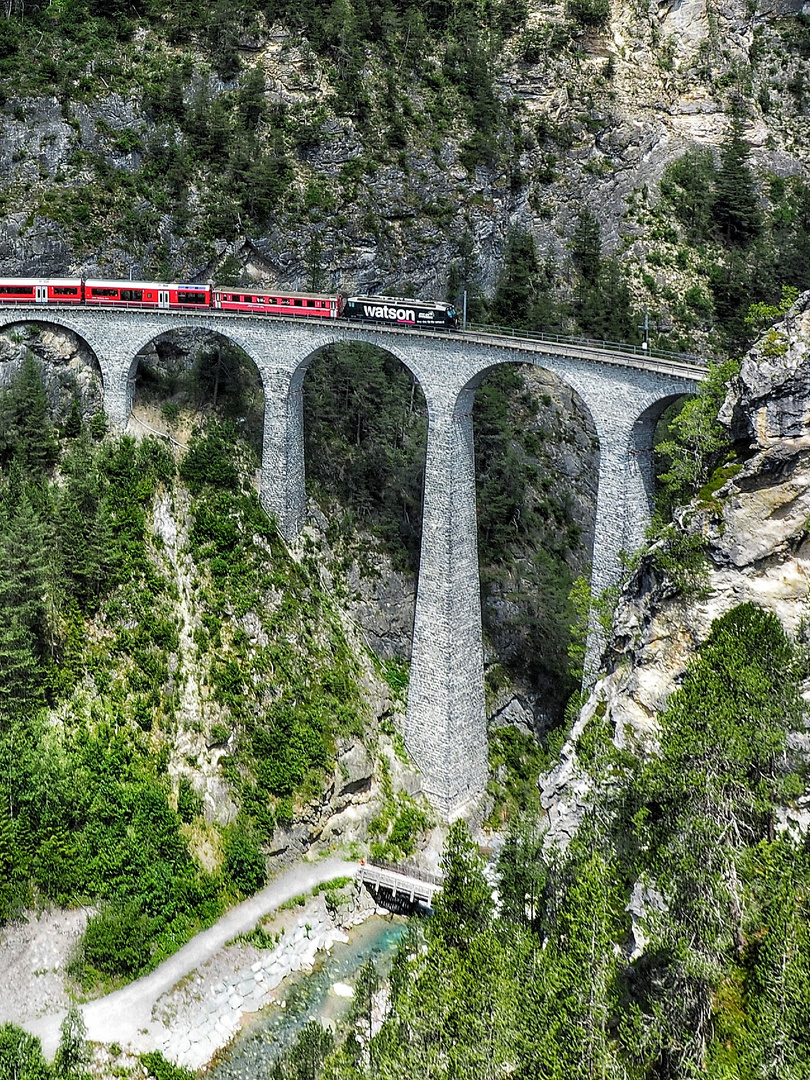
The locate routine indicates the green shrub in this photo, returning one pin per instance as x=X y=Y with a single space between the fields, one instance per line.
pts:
x=158 y=1067
x=116 y=941
x=189 y=801
x=244 y=862
x=209 y=460
x=21 y=1056
x=589 y=13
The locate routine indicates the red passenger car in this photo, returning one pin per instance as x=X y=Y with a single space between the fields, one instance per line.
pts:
x=146 y=294
x=310 y=304
x=40 y=291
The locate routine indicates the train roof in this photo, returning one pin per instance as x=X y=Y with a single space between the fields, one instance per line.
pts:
x=107 y=283
x=399 y=300
x=267 y=290
x=40 y=281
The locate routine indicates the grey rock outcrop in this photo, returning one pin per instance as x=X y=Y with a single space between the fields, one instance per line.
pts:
x=770 y=398
x=756 y=531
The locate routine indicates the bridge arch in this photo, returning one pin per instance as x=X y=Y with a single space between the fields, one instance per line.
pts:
x=92 y=393
x=644 y=429
x=8 y=320
x=283 y=466
x=202 y=368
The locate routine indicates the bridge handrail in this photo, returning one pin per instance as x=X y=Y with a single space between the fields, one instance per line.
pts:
x=596 y=343
x=405 y=870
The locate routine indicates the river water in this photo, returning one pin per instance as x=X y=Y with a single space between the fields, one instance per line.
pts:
x=307 y=996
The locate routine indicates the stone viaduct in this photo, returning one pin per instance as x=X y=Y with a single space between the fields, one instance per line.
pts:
x=626 y=393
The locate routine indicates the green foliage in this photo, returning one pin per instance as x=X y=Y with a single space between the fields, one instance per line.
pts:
x=515 y=762
x=73 y=1053
x=26 y=433
x=735 y=210
x=116 y=941
x=588 y=13
x=602 y=300
x=684 y=840
x=752 y=233
x=209 y=461
x=680 y=556
x=395 y=830
x=305 y=1059
x=695 y=442
x=684 y=186
x=21 y=1056
x=244 y=861
x=189 y=800
x=760 y=314
x=285 y=742
x=159 y=1068
x=464 y=907
x=365 y=428
x=524 y=296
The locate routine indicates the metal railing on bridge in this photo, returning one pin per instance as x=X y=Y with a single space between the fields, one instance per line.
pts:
x=402 y=881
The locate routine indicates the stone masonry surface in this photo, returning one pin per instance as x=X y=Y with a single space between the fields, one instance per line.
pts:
x=625 y=393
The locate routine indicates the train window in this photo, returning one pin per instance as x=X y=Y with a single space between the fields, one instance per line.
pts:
x=298 y=303
x=105 y=292
x=132 y=294
x=60 y=290
x=285 y=302
x=192 y=298
x=16 y=290
x=310 y=303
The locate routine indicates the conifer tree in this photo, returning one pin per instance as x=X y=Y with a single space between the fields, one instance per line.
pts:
x=464 y=906
x=25 y=429
x=20 y=677
x=735 y=209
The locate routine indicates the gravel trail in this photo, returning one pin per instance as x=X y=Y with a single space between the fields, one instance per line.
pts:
x=125 y=1016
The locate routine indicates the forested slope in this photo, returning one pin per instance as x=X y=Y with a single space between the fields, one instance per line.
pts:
x=652 y=916
x=178 y=696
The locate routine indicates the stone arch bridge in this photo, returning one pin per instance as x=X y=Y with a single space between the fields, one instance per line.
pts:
x=625 y=391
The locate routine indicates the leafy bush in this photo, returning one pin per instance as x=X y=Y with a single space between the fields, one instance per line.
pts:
x=189 y=800
x=159 y=1068
x=209 y=460
x=589 y=13
x=21 y=1056
x=244 y=862
x=117 y=941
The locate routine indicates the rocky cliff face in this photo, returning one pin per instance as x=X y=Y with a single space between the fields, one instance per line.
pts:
x=756 y=532
x=590 y=119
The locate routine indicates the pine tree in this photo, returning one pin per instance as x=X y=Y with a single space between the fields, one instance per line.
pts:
x=25 y=428
x=735 y=210
x=522 y=871
x=20 y=676
x=586 y=247
x=464 y=907
x=23 y=570
x=73 y=1053
x=515 y=295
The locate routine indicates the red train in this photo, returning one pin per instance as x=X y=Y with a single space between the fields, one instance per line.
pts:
x=394 y=310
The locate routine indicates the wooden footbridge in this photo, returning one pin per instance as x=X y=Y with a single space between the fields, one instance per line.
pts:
x=402 y=882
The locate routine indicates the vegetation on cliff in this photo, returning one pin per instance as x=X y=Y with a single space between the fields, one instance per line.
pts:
x=106 y=630
x=670 y=939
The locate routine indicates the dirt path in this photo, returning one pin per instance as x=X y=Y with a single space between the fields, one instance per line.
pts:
x=125 y=1016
